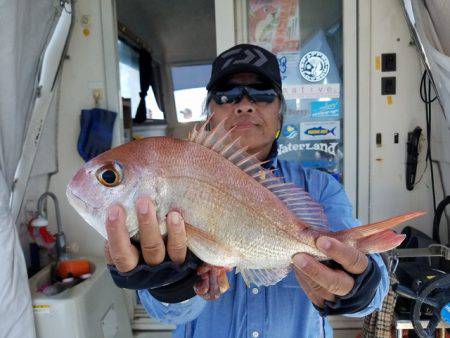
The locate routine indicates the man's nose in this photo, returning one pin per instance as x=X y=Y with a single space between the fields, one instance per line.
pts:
x=244 y=106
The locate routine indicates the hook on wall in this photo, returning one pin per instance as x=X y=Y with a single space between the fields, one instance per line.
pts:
x=97 y=95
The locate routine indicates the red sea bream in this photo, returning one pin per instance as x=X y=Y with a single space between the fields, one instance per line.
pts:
x=237 y=213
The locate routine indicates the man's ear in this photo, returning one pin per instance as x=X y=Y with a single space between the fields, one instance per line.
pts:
x=280 y=121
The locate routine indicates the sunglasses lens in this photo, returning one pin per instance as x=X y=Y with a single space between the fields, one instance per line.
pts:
x=228 y=95
x=266 y=96
x=256 y=92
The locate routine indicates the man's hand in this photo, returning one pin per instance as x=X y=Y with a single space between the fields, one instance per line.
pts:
x=120 y=252
x=322 y=283
x=213 y=281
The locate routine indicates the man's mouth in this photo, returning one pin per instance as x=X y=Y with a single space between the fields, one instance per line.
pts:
x=244 y=125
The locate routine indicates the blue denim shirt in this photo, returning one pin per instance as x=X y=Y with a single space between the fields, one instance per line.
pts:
x=278 y=311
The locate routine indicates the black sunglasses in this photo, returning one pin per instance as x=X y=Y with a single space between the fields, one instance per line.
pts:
x=233 y=93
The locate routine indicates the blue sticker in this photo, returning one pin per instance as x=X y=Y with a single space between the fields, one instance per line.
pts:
x=282 y=62
x=290 y=131
x=324 y=109
x=321 y=130
x=445 y=313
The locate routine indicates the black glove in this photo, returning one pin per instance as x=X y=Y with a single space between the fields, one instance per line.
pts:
x=167 y=282
x=359 y=297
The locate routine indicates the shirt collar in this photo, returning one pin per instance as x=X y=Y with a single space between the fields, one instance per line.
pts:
x=272 y=158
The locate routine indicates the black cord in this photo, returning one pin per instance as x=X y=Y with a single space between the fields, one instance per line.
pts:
x=425 y=95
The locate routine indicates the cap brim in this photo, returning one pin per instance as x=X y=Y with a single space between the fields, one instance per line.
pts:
x=239 y=68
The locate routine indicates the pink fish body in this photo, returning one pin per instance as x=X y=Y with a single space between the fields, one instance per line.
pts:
x=237 y=213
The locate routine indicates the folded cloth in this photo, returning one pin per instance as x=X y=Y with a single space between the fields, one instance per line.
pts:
x=95 y=132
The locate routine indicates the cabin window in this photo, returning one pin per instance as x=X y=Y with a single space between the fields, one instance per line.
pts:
x=189 y=88
x=130 y=82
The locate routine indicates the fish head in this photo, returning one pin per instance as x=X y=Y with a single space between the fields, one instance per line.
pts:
x=113 y=177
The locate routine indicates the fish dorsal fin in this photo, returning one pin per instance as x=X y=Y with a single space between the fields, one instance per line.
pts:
x=298 y=200
x=220 y=141
x=304 y=207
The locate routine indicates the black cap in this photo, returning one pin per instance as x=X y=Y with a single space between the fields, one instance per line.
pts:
x=245 y=58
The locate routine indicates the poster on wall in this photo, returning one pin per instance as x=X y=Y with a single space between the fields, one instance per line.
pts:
x=274 y=24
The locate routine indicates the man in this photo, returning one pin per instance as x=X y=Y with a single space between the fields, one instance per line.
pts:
x=246 y=91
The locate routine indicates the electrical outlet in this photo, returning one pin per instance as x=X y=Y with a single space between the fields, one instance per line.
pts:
x=389 y=62
x=388 y=86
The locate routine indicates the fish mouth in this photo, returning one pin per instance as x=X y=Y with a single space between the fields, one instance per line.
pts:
x=91 y=215
x=78 y=203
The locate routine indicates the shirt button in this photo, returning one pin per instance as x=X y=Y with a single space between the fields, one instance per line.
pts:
x=255 y=334
x=255 y=291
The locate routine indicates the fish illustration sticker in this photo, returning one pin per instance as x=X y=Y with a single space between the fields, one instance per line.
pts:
x=324 y=130
x=290 y=131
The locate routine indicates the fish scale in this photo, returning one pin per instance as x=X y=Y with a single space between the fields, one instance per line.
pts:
x=237 y=214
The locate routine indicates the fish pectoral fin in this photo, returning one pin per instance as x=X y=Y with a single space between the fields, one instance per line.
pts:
x=264 y=277
x=209 y=249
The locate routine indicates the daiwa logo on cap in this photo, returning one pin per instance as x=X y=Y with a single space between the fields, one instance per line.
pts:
x=314 y=66
x=250 y=56
x=245 y=58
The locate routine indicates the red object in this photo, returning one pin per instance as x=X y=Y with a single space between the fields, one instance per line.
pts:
x=47 y=237
x=73 y=267
x=41 y=235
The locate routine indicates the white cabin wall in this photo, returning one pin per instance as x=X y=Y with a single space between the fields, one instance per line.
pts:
x=383 y=191
x=82 y=72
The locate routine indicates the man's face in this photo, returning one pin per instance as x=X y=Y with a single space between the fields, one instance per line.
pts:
x=255 y=122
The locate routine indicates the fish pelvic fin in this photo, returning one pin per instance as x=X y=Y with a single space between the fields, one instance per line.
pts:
x=209 y=249
x=263 y=277
x=301 y=204
x=376 y=237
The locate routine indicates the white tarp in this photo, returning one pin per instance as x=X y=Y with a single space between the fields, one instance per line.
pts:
x=27 y=26
x=44 y=166
x=430 y=27
x=431 y=45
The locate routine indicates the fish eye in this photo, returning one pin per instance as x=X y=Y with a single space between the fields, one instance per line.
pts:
x=110 y=175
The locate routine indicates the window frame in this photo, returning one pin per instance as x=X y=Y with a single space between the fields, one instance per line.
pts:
x=131 y=45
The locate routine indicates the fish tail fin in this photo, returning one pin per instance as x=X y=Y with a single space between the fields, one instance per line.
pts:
x=376 y=237
x=381 y=242
x=332 y=131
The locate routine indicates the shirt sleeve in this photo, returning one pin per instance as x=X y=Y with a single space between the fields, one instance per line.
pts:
x=338 y=209
x=172 y=313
